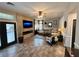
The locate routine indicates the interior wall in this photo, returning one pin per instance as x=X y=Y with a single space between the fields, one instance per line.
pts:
x=61 y=24
x=27 y=29
x=54 y=22
x=69 y=29
x=8 y=20
x=19 y=25
x=77 y=31
x=67 y=32
x=18 y=20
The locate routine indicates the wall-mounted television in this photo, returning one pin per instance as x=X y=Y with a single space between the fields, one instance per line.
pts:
x=27 y=24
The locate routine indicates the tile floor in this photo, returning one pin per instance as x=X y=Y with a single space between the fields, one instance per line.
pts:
x=34 y=47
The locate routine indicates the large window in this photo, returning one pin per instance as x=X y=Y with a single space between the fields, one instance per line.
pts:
x=39 y=25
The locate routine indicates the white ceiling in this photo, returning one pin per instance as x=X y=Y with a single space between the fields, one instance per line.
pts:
x=52 y=9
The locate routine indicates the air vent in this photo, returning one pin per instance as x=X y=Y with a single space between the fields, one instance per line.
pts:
x=9 y=3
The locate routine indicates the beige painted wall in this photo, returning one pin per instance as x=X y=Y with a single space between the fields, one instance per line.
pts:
x=61 y=24
x=19 y=25
x=27 y=29
x=20 y=29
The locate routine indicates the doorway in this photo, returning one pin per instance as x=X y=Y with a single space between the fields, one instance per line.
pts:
x=7 y=34
x=73 y=32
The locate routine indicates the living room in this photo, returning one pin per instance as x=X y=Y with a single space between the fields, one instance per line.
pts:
x=34 y=24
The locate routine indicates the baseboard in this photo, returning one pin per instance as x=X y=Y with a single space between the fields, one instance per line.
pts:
x=27 y=32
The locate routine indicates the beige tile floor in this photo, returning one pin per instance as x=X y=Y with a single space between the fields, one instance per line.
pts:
x=33 y=47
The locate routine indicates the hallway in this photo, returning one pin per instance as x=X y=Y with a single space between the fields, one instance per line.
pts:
x=33 y=47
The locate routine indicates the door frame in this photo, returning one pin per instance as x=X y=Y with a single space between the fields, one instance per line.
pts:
x=73 y=33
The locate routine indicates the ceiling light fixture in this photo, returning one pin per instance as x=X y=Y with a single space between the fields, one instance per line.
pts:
x=40 y=14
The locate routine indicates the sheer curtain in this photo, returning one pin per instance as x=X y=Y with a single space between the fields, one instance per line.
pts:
x=39 y=25
x=36 y=25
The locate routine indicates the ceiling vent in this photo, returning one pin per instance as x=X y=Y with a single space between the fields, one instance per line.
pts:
x=9 y=3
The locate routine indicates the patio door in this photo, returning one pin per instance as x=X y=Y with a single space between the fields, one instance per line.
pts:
x=7 y=34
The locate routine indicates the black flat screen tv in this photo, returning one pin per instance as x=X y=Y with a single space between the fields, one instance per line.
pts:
x=27 y=24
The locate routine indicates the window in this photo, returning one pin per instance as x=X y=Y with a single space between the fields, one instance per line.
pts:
x=7 y=16
x=36 y=25
x=39 y=25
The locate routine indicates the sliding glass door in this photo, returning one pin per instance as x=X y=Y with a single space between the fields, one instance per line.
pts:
x=7 y=34
x=0 y=41
x=0 y=36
